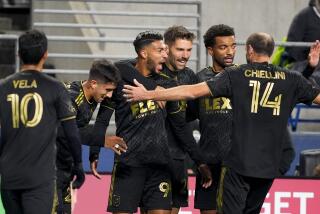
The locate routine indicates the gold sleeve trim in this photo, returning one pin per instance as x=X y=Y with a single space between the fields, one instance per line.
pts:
x=108 y=107
x=179 y=110
x=164 y=75
x=68 y=118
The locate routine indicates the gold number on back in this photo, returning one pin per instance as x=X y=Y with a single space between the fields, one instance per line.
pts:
x=264 y=102
x=20 y=109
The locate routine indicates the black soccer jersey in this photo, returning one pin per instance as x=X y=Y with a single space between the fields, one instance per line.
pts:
x=215 y=120
x=84 y=109
x=141 y=125
x=32 y=103
x=179 y=132
x=262 y=96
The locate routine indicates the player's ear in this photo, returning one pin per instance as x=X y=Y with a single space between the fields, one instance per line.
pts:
x=93 y=84
x=167 y=48
x=45 y=56
x=250 y=49
x=143 y=53
x=210 y=51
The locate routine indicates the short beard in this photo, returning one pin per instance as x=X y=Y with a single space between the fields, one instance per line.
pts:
x=172 y=63
x=151 y=66
x=221 y=64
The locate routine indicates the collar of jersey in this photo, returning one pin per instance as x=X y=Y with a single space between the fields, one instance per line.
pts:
x=84 y=94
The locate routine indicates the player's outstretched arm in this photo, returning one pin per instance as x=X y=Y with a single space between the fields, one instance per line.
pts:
x=184 y=92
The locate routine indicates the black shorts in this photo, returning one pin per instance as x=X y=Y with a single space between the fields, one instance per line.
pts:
x=179 y=179
x=148 y=187
x=205 y=199
x=62 y=202
x=241 y=194
x=35 y=200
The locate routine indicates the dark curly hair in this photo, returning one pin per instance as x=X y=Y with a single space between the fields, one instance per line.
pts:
x=214 y=31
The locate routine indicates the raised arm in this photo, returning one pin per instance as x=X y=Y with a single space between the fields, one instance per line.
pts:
x=314 y=54
x=313 y=60
x=184 y=92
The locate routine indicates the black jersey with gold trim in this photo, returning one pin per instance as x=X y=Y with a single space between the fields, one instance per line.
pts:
x=32 y=103
x=215 y=121
x=84 y=110
x=141 y=124
x=180 y=137
x=262 y=96
x=179 y=133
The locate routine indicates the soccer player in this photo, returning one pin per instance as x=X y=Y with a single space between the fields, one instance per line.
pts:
x=215 y=116
x=179 y=41
x=85 y=96
x=140 y=176
x=263 y=96
x=32 y=105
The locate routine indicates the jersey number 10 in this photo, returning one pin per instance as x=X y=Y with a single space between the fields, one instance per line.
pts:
x=20 y=109
x=264 y=102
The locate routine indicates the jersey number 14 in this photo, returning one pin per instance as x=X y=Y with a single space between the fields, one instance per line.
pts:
x=20 y=109
x=264 y=101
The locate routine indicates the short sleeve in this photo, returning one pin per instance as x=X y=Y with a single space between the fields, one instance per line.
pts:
x=305 y=91
x=220 y=85
x=65 y=109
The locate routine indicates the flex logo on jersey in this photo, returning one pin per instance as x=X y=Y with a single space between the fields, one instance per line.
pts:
x=216 y=104
x=144 y=108
x=165 y=188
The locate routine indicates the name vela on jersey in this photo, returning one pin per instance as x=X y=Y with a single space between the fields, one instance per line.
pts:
x=24 y=84
x=265 y=74
x=215 y=105
x=143 y=109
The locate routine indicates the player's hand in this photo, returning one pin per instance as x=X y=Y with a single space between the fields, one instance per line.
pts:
x=162 y=104
x=205 y=175
x=135 y=93
x=93 y=167
x=80 y=177
x=115 y=143
x=314 y=54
